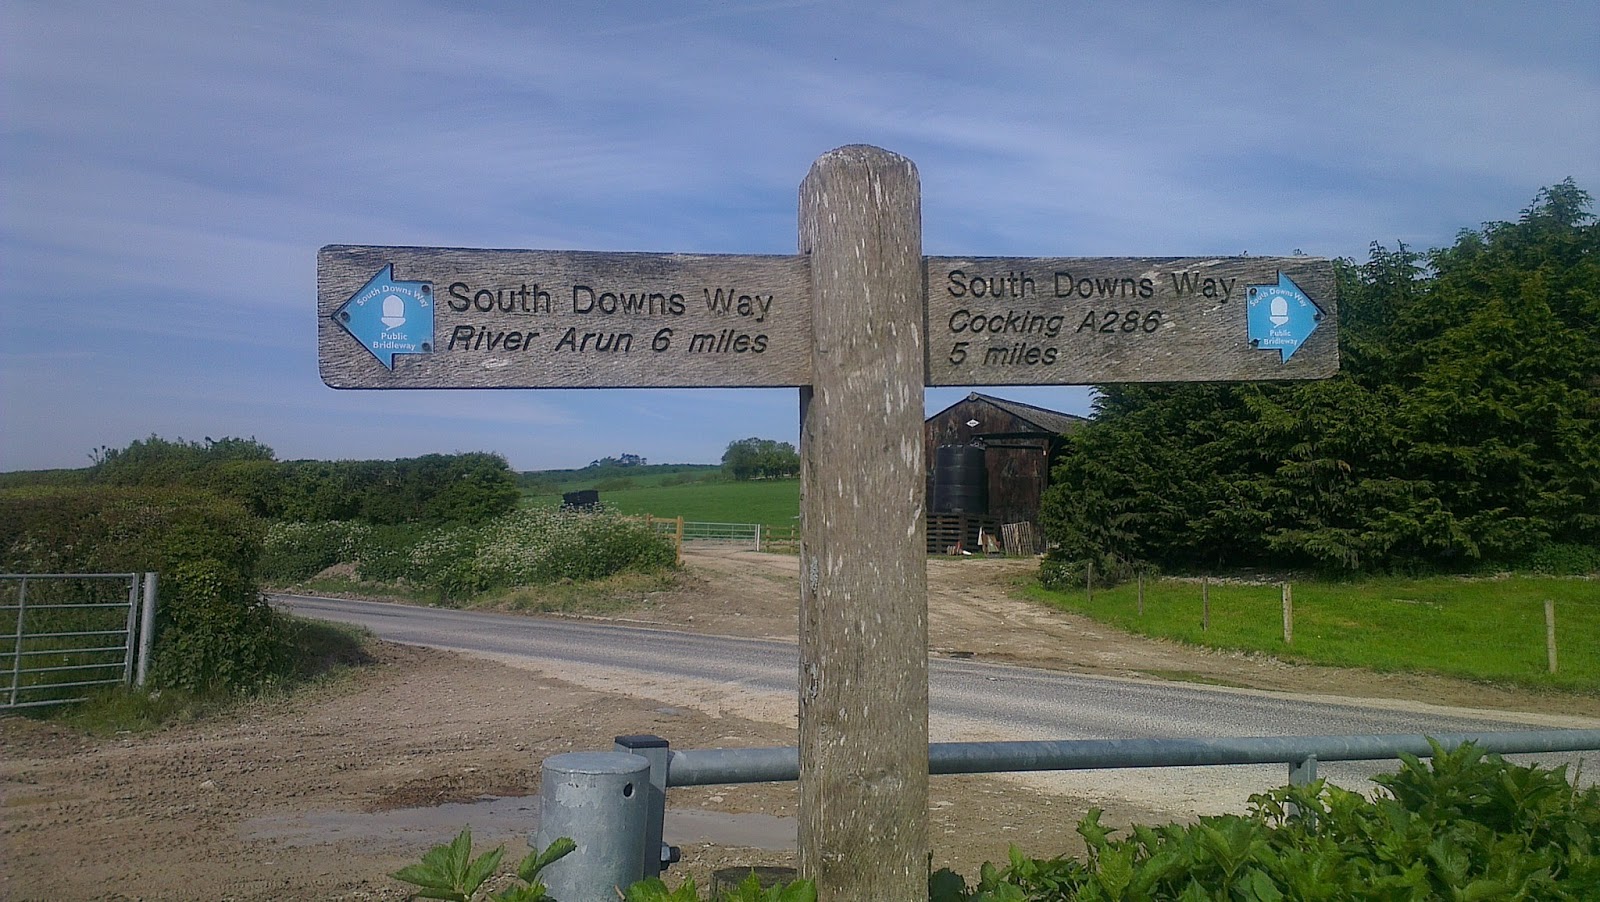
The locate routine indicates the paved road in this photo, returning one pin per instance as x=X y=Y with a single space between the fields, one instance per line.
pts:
x=968 y=700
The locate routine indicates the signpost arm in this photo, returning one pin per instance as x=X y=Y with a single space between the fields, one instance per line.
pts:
x=863 y=596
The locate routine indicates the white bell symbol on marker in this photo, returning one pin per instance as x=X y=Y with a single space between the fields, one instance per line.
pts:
x=1280 y=310
x=394 y=311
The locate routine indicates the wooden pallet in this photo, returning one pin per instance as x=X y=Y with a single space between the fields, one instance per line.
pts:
x=1021 y=538
x=958 y=532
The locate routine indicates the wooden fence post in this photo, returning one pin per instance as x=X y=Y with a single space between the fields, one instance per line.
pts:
x=863 y=830
x=1141 y=593
x=1288 y=614
x=1089 y=582
x=1205 y=604
x=1550 y=632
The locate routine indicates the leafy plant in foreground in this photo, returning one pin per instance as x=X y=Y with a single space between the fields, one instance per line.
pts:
x=450 y=872
x=1468 y=826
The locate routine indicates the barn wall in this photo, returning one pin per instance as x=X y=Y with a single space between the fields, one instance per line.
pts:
x=1017 y=477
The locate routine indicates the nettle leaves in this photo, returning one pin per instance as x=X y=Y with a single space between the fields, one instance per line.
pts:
x=450 y=872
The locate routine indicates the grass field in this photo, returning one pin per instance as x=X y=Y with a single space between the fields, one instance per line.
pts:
x=774 y=502
x=640 y=477
x=1489 y=629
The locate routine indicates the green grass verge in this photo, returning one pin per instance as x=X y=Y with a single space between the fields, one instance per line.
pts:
x=1482 y=629
x=610 y=595
x=775 y=502
x=602 y=596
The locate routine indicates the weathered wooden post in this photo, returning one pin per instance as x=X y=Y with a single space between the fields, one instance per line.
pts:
x=863 y=584
x=1288 y=614
x=1550 y=633
x=861 y=322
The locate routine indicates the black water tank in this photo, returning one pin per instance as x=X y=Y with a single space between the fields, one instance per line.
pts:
x=584 y=499
x=960 y=480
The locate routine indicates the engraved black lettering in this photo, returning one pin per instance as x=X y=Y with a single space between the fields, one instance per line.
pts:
x=477 y=338
x=541 y=300
x=957 y=283
x=1185 y=283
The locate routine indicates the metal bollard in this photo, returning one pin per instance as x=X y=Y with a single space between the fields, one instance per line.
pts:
x=600 y=800
x=658 y=752
x=1303 y=772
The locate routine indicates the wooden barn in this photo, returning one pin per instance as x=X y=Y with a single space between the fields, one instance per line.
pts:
x=988 y=465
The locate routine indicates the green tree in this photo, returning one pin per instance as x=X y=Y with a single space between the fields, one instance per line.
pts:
x=760 y=458
x=1463 y=430
x=156 y=461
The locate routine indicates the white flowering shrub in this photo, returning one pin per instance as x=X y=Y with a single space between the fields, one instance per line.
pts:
x=534 y=547
x=295 y=551
x=445 y=561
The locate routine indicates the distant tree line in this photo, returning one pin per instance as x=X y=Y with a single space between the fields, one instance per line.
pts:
x=625 y=460
x=1462 y=433
x=431 y=490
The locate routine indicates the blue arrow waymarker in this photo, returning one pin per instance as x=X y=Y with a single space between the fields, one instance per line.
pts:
x=390 y=317
x=1281 y=317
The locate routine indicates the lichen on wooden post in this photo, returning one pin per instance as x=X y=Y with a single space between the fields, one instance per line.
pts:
x=863 y=596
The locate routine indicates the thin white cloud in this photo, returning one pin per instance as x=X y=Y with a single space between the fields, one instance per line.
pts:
x=170 y=168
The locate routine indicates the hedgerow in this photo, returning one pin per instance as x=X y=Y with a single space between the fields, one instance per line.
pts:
x=214 y=631
x=524 y=548
x=537 y=547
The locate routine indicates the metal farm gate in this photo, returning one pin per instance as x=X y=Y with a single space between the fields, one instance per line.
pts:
x=65 y=633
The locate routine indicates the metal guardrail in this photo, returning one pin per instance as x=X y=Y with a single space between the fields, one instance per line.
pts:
x=616 y=801
x=782 y=764
x=67 y=638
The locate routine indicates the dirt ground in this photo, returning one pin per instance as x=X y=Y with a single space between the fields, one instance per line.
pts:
x=321 y=795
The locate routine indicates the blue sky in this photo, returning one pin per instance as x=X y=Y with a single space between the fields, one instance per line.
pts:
x=169 y=170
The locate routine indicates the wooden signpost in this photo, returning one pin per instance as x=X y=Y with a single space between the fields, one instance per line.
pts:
x=860 y=321
x=1097 y=320
x=560 y=319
